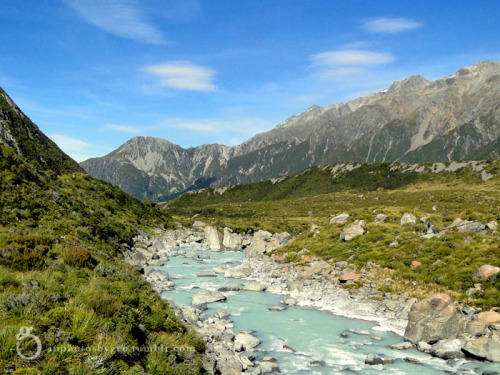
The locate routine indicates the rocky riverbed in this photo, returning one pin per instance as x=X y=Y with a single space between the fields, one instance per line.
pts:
x=437 y=325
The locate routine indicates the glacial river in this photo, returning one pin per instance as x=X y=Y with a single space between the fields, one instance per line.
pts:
x=315 y=336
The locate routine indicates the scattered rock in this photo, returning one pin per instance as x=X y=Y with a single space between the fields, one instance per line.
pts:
x=349 y=276
x=254 y=286
x=448 y=349
x=348 y=233
x=277 y=308
x=339 y=219
x=486 y=272
x=380 y=218
x=314 y=269
x=199 y=224
x=408 y=219
x=402 y=346
x=231 y=240
x=289 y=301
x=233 y=287
x=289 y=349
x=493 y=226
x=415 y=264
x=373 y=359
x=360 y=331
x=317 y=364
x=247 y=340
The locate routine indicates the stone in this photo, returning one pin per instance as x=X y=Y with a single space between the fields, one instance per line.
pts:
x=156 y=275
x=360 y=331
x=402 y=346
x=213 y=238
x=341 y=265
x=493 y=226
x=247 y=340
x=289 y=301
x=432 y=319
x=349 y=276
x=199 y=224
x=465 y=226
x=486 y=272
x=207 y=296
x=380 y=218
x=415 y=264
x=348 y=233
x=206 y=274
x=222 y=315
x=408 y=218
x=373 y=359
x=254 y=286
x=315 y=269
x=489 y=317
x=268 y=366
x=232 y=241
x=339 y=219
x=448 y=349
x=232 y=287
x=484 y=348
x=257 y=248
x=262 y=235
x=289 y=349
x=317 y=364
x=277 y=308
x=283 y=238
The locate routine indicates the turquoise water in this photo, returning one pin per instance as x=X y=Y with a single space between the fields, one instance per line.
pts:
x=313 y=335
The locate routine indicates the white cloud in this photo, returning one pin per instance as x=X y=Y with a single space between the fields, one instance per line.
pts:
x=123 y=18
x=183 y=75
x=351 y=57
x=390 y=25
x=73 y=147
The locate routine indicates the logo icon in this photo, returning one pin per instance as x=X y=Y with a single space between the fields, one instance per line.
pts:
x=25 y=333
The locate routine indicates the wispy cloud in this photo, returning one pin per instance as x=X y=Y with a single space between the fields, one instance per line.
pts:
x=183 y=75
x=342 y=63
x=390 y=25
x=351 y=57
x=75 y=148
x=123 y=18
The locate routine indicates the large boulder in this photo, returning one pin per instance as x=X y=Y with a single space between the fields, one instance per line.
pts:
x=466 y=226
x=486 y=272
x=262 y=235
x=408 y=218
x=348 y=233
x=484 y=348
x=207 y=296
x=254 y=286
x=232 y=240
x=256 y=248
x=432 y=319
x=247 y=340
x=213 y=238
x=339 y=219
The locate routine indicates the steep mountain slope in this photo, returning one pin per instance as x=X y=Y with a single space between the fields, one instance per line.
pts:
x=414 y=120
x=17 y=131
x=62 y=273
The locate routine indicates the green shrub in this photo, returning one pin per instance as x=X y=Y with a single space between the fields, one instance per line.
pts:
x=79 y=257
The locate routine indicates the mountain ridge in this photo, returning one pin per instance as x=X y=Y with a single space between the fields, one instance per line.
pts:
x=414 y=120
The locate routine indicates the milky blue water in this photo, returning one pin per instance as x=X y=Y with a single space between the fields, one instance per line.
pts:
x=315 y=336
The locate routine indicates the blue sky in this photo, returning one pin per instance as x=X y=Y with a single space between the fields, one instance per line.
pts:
x=94 y=73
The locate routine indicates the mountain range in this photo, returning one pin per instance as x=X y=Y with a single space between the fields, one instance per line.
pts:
x=453 y=118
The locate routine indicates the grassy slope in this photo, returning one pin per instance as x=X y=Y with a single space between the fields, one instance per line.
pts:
x=62 y=273
x=312 y=197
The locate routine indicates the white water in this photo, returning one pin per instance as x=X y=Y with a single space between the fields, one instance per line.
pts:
x=314 y=335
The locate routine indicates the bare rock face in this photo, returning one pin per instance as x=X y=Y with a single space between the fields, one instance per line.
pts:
x=432 y=319
x=486 y=272
x=213 y=238
x=348 y=233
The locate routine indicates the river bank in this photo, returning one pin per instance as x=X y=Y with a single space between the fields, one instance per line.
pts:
x=320 y=285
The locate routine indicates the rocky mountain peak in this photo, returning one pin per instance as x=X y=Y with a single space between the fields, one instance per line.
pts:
x=412 y=83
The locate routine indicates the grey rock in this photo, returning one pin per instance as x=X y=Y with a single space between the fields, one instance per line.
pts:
x=213 y=238
x=408 y=218
x=339 y=219
x=206 y=296
x=247 y=340
x=380 y=218
x=351 y=232
x=254 y=286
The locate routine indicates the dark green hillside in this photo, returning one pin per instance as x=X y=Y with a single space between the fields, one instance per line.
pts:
x=62 y=273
